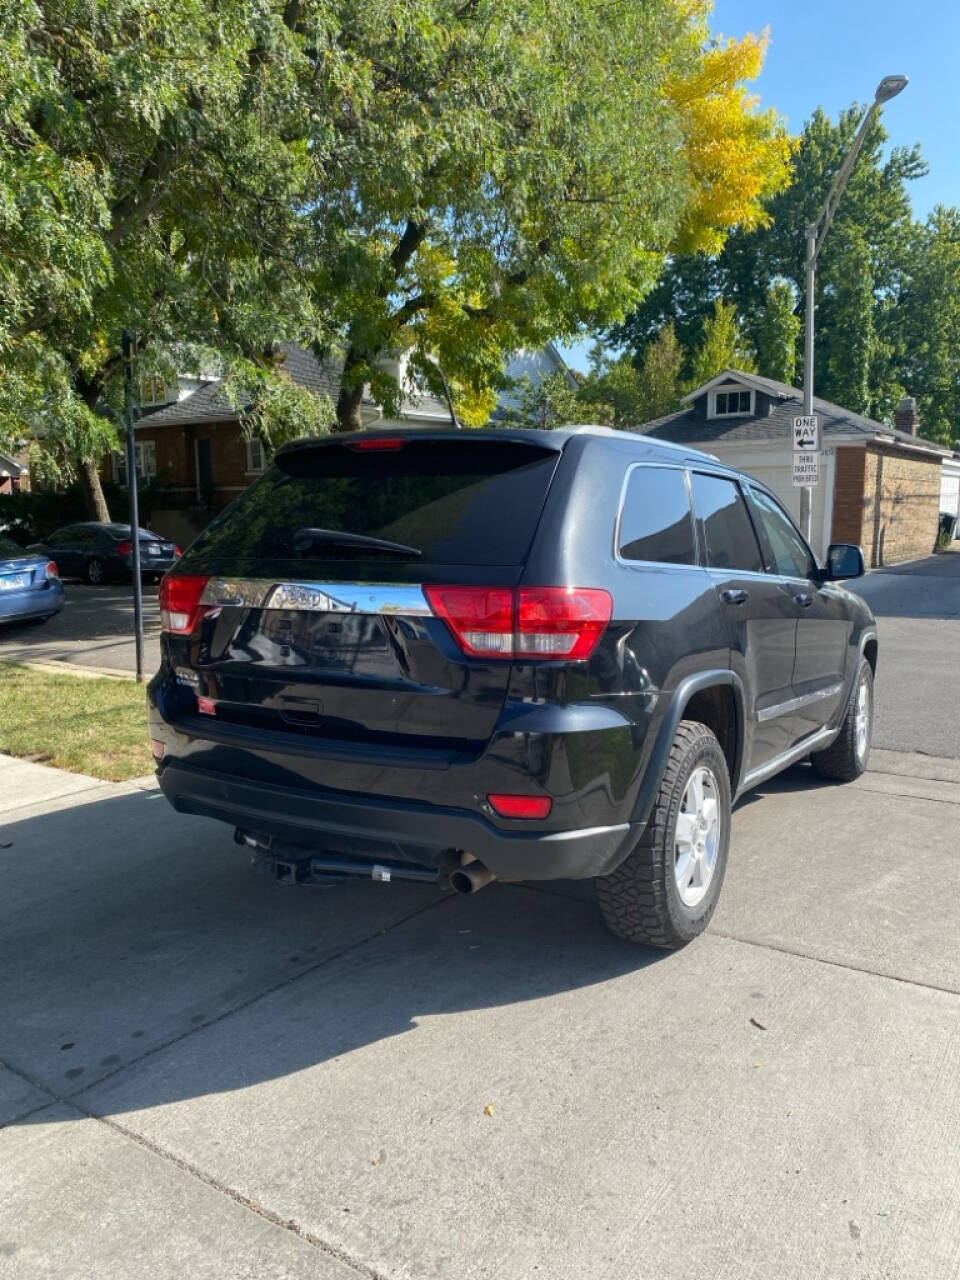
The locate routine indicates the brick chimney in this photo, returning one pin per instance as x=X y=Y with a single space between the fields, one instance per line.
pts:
x=906 y=417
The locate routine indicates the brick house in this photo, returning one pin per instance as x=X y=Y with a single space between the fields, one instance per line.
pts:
x=14 y=474
x=880 y=486
x=192 y=452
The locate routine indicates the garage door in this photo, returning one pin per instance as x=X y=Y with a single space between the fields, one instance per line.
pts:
x=950 y=495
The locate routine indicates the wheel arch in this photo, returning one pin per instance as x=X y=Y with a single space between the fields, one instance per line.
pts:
x=714 y=698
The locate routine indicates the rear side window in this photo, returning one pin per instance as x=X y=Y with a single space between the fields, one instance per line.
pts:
x=455 y=502
x=656 y=522
x=725 y=527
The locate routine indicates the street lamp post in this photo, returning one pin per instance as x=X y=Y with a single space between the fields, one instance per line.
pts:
x=888 y=88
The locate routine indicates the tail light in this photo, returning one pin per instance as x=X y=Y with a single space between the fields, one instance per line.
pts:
x=378 y=444
x=510 y=806
x=180 y=607
x=176 y=551
x=125 y=548
x=52 y=570
x=526 y=622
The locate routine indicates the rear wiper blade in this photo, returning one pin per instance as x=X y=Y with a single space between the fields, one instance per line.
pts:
x=304 y=539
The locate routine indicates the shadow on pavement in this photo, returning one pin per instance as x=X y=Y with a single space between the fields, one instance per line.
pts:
x=126 y=928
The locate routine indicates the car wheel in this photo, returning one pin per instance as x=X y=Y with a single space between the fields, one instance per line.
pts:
x=96 y=571
x=665 y=892
x=846 y=757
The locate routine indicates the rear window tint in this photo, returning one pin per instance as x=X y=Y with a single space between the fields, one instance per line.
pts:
x=656 y=523
x=470 y=503
x=725 y=525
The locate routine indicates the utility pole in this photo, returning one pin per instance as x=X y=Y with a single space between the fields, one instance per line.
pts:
x=129 y=355
x=816 y=233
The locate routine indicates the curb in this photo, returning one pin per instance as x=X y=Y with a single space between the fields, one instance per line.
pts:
x=53 y=666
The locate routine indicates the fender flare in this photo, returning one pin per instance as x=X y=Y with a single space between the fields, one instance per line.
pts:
x=679 y=701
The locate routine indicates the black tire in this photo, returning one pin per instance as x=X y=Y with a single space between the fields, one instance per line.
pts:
x=845 y=760
x=95 y=572
x=640 y=901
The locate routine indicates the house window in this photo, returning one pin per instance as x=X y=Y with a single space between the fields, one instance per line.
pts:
x=256 y=457
x=153 y=390
x=731 y=404
x=146 y=455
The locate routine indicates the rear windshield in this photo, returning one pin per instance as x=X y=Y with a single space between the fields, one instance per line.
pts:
x=8 y=548
x=469 y=503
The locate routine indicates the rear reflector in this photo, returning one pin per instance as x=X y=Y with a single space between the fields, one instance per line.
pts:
x=206 y=706
x=52 y=570
x=158 y=748
x=180 y=607
x=509 y=806
x=378 y=444
x=528 y=622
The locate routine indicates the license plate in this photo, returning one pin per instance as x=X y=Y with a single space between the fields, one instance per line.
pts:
x=152 y=549
x=13 y=582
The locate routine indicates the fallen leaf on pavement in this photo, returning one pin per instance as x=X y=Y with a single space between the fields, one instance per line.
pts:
x=488 y=1109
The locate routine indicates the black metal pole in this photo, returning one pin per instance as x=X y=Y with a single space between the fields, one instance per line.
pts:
x=129 y=352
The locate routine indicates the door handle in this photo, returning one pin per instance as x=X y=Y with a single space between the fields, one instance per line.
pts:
x=804 y=600
x=734 y=595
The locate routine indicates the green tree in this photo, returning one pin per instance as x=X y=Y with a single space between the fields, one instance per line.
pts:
x=515 y=172
x=723 y=346
x=150 y=161
x=550 y=403
x=859 y=272
x=927 y=320
x=775 y=332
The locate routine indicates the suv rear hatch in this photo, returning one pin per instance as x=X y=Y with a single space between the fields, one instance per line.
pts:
x=313 y=621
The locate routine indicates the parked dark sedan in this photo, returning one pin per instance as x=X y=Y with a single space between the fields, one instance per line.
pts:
x=100 y=552
x=30 y=587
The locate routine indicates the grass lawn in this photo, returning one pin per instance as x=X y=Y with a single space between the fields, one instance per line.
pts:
x=96 y=726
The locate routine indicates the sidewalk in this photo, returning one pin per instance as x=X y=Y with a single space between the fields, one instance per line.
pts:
x=209 y=1074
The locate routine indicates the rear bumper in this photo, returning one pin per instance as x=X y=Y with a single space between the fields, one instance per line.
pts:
x=17 y=605
x=371 y=826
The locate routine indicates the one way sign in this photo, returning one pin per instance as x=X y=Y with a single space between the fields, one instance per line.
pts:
x=806 y=432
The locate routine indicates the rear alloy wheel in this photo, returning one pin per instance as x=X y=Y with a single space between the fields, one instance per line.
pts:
x=96 y=571
x=665 y=892
x=846 y=757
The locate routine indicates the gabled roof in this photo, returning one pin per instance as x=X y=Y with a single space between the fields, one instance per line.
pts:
x=688 y=427
x=11 y=467
x=769 y=386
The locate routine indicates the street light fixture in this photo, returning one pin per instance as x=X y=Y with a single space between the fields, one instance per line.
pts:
x=888 y=88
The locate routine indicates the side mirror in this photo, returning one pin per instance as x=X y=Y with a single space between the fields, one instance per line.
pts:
x=844 y=560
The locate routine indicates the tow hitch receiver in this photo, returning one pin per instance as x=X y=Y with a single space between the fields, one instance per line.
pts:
x=290 y=864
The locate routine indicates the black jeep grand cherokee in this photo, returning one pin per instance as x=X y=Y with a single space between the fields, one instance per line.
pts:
x=454 y=656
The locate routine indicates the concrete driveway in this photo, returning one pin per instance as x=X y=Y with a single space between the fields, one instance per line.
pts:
x=210 y=1075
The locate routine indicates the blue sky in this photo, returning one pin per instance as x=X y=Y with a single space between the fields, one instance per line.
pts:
x=832 y=54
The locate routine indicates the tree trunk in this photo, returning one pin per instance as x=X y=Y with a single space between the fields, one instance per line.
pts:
x=93 y=494
x=350 y=398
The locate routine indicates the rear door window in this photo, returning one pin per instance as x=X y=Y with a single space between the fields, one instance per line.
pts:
x=787 y=552
x=726 y=530
x=656 y=522
x=455 y=502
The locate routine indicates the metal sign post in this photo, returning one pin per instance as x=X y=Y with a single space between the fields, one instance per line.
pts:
x=129 y=355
